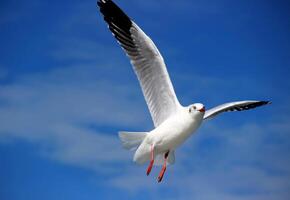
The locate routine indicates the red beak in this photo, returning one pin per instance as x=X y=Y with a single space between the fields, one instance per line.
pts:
x=202 y=110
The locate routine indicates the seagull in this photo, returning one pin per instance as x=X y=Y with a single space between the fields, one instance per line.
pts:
x=173 y=123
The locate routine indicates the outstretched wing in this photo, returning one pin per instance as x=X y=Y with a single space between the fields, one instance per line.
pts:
x=147 y=62
x=233 y=106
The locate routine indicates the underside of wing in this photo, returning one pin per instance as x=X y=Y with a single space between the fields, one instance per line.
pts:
x=233 y=106
x=147 y=62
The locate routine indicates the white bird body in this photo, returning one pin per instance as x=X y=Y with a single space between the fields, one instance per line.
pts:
x=173 y=122
x=169 y=135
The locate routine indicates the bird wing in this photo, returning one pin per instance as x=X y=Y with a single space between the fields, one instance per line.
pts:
x=147 y=62
x=233 y=106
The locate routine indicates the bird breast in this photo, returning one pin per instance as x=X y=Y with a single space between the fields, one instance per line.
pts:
x=174 y=131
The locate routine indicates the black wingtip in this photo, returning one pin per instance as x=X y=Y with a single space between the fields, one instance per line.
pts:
x=113 y=14
x=262 y=103
x=99 y=3
x=102 y=1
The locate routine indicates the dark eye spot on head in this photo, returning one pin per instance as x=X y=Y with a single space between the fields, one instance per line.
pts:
x=194 y=107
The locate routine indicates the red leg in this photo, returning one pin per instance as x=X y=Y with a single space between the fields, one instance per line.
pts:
x=151 y=161
x=161 y=174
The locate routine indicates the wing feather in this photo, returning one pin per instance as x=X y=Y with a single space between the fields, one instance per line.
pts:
x=233 y=106
x=147 y=62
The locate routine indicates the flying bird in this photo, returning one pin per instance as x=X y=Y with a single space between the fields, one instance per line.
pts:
x=173 y=123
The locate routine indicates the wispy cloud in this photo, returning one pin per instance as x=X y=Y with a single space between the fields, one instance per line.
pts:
x=225 y=163
x=59 y=108
x=73 y=111
x=64 y=109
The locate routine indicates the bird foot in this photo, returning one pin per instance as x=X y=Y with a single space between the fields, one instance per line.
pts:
x=150 y=167
x=160 y=177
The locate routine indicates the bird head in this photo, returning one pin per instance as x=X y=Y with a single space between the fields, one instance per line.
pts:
x=196 y=109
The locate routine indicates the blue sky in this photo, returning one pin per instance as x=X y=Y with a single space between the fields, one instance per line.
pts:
x=66 y=88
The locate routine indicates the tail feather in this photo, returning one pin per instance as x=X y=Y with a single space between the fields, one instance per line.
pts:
x=131 y=140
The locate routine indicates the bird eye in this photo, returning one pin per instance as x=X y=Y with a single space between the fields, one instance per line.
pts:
x=194 y=107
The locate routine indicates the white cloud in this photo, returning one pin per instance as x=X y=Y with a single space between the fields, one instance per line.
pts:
x=56 y=110
x=240 y=165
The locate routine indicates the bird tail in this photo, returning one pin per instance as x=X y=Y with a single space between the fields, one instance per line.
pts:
x=131 y=140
